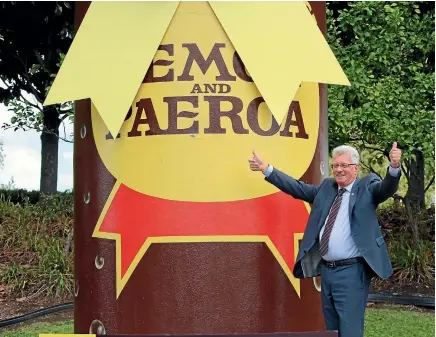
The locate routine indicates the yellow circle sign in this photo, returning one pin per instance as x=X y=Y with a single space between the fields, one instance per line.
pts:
x=197 y=117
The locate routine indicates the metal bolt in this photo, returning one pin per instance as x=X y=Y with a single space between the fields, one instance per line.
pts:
x=99 y=262
x=76 y=288
x=83 y=131
x=87 y=198
x=321 y=167
x=316 y=284
x=97 y=327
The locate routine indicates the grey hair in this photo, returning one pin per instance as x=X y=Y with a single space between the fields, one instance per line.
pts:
x=345 y=149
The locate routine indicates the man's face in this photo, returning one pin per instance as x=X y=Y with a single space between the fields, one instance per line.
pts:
x=344 y=175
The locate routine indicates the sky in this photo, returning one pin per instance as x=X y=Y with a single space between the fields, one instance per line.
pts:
x=22 y=152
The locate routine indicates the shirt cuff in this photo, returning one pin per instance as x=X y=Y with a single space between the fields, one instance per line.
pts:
x=268 y=171
x=394 y=171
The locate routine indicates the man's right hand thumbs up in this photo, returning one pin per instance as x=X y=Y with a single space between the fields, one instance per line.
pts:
x=256 y=163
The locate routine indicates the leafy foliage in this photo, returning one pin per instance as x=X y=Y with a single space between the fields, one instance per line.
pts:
x=387 y=51
x=33 y=38
x=411 y=262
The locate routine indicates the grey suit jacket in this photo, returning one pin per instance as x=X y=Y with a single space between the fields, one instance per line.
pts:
x=365 y=196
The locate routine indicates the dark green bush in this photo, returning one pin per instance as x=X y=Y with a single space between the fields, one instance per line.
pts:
x=22 y=196
x=411 y=262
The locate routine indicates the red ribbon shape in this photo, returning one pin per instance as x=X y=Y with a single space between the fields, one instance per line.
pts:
x=136 y=217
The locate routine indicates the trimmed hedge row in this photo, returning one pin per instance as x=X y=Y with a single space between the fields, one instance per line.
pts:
x=22 y=196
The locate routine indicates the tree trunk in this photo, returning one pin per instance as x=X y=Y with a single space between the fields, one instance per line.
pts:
x=413 y=223
x=49 y=151
x=415 y=193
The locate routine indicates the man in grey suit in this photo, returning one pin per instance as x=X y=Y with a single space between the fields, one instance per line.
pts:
x=342 y=241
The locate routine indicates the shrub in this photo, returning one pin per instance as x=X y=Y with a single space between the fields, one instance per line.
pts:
x=412 y=264
x=22 y=196
x=32 y=240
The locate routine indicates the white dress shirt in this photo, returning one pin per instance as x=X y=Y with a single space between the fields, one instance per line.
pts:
x=341 y=243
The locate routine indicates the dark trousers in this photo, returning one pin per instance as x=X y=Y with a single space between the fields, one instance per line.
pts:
x=344 y=293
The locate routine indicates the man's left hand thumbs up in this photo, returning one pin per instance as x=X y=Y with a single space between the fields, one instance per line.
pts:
x=395 y=155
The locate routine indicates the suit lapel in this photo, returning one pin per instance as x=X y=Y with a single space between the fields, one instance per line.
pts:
x=353 y=197
x=329 y=198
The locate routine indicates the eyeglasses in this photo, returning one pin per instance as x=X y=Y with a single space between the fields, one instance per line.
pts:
x=342 y=166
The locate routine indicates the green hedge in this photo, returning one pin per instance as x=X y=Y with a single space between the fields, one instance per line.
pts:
x=22 y=196
x=36 y=250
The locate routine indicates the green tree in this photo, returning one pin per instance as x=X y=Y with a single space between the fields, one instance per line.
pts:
x=33 y=38
x=387 y=51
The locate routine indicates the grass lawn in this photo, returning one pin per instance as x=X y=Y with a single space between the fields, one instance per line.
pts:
x=396 y=322
x=380 y=322
x=33 y=330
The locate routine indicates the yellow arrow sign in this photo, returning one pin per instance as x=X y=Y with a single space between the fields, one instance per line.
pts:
x=281 y=46
x=279 y=43
x=110 y=55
